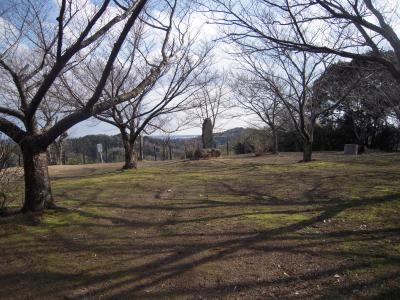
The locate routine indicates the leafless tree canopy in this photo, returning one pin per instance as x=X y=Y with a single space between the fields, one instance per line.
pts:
x=211 y=99
x=41 y=58
x=169 y=94
x=352 y=29
x=42 y=55
x=292 y=80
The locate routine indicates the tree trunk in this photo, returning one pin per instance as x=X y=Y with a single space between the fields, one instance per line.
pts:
x=141 y=148
x=163 y=151
x=274 y=141
x=38 y=194
x=130 y=161
x=59 y=152
x=49 y=156
x=307 y=151
x=64 y=158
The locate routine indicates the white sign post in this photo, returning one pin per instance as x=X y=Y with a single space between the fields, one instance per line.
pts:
x=100 y=150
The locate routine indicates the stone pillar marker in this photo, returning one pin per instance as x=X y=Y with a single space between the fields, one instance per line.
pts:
x=207 y=134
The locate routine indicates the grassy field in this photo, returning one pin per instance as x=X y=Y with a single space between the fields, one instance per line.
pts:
x=243 y=227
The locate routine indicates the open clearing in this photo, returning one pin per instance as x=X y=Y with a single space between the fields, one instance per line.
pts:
x=247 y=228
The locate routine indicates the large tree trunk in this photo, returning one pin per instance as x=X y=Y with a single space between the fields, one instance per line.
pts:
x=307 y=151
x=38 y=194
x=274 y=141
x=130 y=157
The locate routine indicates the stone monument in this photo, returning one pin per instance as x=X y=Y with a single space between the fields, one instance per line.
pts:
x=207 y=134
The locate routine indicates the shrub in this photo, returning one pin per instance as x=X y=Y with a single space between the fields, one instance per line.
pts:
x=189 y=154
x=215 y=152
x=197 y=154
x=9 y=177
x=203 y=153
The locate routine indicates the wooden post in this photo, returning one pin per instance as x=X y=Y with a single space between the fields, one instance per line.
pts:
x=227 y=148
x=64 y=157
x=164 y=154
x=155 y=153
x=141 y=147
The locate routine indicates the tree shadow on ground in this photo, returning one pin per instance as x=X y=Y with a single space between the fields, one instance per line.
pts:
x=172 y=257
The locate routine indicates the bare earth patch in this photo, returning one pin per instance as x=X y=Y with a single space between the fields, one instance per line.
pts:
x=231 y=228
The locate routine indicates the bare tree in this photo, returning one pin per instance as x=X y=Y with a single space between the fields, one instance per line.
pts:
x=343 y=28
x=295 y=79
x=147 y=112
x=209 y=102
x=254 y=96
x=56 y=150
x=169 y=91
x=168 y=95
x=39 y=53
x=167 y=147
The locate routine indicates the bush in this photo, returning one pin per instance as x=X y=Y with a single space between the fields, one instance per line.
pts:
x=197 y=154
x=9 y=177
x=215 y=152
x=189 y=154
x=203 y=153
x=253 y=141
x=10 y=189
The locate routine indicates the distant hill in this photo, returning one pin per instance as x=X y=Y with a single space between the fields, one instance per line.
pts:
x=231 y=132
x=219 y=137
x=176 y=137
